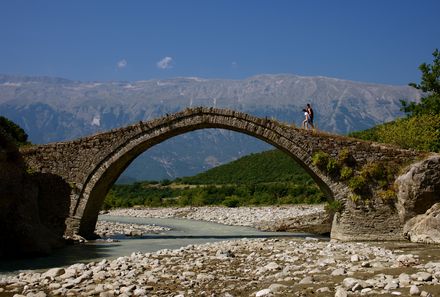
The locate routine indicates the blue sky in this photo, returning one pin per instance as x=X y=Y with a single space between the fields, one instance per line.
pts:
x=382 y=41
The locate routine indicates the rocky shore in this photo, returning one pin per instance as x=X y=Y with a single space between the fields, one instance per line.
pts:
x=265 y=218
x=106 y=229
x=259 y=267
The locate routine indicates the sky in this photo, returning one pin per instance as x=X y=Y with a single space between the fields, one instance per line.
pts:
x=380 y=41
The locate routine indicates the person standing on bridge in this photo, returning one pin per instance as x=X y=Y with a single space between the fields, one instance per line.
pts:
x=305 y=123
x=310 y=117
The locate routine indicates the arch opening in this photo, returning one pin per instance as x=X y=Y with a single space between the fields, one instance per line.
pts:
x=100 y=180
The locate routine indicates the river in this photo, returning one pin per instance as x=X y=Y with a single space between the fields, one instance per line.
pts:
x=183 y=232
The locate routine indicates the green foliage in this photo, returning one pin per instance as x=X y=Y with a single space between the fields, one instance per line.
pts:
x=421 y=129
x=388 y=195
x=355 y=198
x=373 y=171
x=261 y=179
x=368 y=134
x=263 y=167
x=333 y=167
x=229 y=195
x=320 y=160
x=429 y=84
x=334 y=206
x=231 y=201
x=421 y=132
x=346 y=173
x=345 y=158
x=165 y=182
x=324 y=162
x=16 y=132
x=357 y=184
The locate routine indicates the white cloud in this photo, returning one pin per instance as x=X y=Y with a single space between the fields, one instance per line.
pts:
x=122 y=64
x=234 y=64
x=165 y=63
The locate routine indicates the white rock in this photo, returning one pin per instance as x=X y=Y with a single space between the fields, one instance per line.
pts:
x=339 y=271
x=54 y=272
x=54 y=286
x=323 y=290
x=354 y=258
x=392 y=285
x=349 y=283
x=414 y=290
x=272 y=266
x=306 y=280
x=423 y=276
x=341 y=292
x=404 y=280
x=277 y=287
x=263 y=292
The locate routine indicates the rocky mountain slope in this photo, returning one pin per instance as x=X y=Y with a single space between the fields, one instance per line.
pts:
x=55 y=109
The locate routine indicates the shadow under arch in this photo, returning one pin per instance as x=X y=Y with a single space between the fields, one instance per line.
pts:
x=106 y=172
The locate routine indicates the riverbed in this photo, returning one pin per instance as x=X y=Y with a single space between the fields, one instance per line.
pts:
x=198 y=258
x=182 y=232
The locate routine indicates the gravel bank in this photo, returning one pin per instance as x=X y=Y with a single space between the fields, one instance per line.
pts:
x=261 y=267
x=107 y=229
x=240 y=216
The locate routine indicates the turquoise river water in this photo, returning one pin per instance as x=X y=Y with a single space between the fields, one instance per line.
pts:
x=183 y=232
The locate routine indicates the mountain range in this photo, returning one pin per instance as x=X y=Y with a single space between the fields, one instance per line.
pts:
x=56 y=109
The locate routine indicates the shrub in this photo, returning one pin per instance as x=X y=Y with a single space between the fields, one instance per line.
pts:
x=165 y=182
x=355 y=198
x=357 y=184
x=373 y=171
x=345 y=158
x=346 y=173
x=231 y=201
x=334 y=206
x=333 y=167
x=13 y=130
x=388 y=195
x=320 y=160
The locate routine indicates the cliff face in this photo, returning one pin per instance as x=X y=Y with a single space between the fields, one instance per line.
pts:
x=32 y=206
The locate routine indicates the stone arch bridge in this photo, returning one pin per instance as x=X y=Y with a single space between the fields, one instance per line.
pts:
x=91 y=165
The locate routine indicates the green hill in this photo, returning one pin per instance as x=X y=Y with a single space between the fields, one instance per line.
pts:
x=266 y=178
x=265 y=167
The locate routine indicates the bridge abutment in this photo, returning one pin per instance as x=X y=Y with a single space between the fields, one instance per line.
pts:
x=367 y=223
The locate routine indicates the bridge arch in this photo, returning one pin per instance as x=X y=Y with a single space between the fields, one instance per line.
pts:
x=90 y=165
x=139 y=138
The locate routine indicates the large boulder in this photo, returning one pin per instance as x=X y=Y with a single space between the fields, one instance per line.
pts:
x=33 y=207
x=424 y=228
x=418 y=188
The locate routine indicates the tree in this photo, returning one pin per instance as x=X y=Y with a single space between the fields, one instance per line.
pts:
x=16 y=132
x=429 y=84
